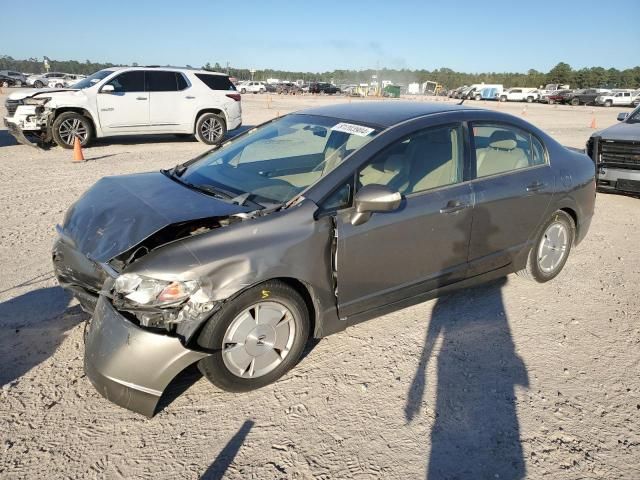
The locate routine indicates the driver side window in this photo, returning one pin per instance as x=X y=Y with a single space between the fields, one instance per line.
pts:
x=422 y=161
x=128 y=82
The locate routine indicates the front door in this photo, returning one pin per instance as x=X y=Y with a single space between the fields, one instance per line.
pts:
x=513 y=189
x=126 y=108
x=420 y=246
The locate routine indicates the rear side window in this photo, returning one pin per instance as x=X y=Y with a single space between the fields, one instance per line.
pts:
x=504 y=148
x=216 y=82
x=160 y=81
x=182 y=82
x=128 y=82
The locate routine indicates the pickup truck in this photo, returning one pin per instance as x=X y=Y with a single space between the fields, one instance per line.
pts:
x=585 y=96
x=619 y=98
x=520 y=95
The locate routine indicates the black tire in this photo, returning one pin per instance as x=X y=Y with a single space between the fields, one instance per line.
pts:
x=533 y=271
x=61 y=138
x=212 y=336
x=201 y=132
x=529 y=99
x=243 y=90
x=38 y=84
x=503 y=99
x=478 y=97
x=5 y=84
x=551 y=102
x=608 y=103
x=575 y=102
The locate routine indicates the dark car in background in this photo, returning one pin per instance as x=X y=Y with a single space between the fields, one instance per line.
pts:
x=616 y=153
x=585 y=96
x=322 y=87
x=7 y=81
x=19 y=79
x=303 y=226
x=288 y=88
x=559 y=96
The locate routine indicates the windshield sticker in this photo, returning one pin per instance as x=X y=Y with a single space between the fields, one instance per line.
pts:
x=352 y=129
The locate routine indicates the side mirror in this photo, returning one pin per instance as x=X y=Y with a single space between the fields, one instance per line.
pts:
x=107 y=89
x=374 y=198
x=622 y=116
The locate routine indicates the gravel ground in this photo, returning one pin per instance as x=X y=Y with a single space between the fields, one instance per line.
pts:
x=508 y=380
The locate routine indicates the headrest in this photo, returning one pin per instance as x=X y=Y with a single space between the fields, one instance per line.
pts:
x=503 y=140
x=394 y=163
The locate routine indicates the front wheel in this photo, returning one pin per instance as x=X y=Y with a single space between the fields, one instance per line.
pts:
x=503 y=99
x=529 y=99
x=608 y=103
x=256 y=338
x=210 y=128
x=549 y=254
x=5 y=84
x=71 y=125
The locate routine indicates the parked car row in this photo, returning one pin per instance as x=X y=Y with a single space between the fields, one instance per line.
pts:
x=286 y=88
x=552 y=94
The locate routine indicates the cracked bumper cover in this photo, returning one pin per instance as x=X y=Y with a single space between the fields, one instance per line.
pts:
x=128 y=365
x=17 y=133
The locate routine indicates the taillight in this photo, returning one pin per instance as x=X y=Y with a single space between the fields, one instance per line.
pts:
x=235 y=96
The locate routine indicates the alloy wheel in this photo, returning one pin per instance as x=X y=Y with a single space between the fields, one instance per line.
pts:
x=553 y=247
x=72 y=128
x=211 y=129
x=258 y=339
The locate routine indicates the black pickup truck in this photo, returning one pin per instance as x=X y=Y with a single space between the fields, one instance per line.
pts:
x=586 y=96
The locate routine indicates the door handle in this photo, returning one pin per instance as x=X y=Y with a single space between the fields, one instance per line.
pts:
x=189 y=97
x=141 y=98
x=454 y=206
x=535 y=186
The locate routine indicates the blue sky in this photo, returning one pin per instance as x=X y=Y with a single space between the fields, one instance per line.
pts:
x=470 y=36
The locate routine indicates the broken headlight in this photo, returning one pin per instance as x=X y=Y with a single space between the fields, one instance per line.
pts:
x=36 y=101
x=152 y=292
x=160 y=303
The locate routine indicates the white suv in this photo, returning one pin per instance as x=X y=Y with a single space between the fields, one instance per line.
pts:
x=128 y=101
x=520 y=95
x=252 y=87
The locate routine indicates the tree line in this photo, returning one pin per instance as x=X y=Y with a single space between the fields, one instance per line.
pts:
x=597 y=77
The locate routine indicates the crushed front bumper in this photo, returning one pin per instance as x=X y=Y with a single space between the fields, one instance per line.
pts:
x=618 y=179
x=128 y=365
x=18 y=133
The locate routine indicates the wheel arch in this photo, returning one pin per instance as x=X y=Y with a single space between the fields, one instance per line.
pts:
x=217 y=111
x=82 y=111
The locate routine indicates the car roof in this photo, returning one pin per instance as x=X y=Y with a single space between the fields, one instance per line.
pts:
x=384 y=114
x=171 y=69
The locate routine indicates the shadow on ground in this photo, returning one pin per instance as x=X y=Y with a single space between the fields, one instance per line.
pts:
x=476 y=432
x=225 y=458
x=32 y=327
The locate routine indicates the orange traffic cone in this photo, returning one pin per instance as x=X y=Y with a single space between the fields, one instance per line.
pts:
x=593 y=122
x=77 y=151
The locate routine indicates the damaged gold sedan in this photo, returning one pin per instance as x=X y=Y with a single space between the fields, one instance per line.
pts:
x=303 y=226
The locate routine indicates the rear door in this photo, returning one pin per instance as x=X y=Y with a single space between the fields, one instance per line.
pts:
x=126 y=109
x=170 y=104
x=422 y=245
x=512 y=189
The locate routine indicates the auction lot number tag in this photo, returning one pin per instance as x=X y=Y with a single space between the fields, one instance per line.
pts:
x=352 y=129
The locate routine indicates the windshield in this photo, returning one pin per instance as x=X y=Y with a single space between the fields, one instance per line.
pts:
x=278 y=160
x=91 y=80
x=634 y=116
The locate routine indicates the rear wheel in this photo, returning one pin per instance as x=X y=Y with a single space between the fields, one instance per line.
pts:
x=256 y=338
x=210 y=128
x=551 y=102
x=575 y=102
x=5 y=84
x=69 y=125
x=549 y=254
x=503 y=99
x=529 y=99
x=38 y=84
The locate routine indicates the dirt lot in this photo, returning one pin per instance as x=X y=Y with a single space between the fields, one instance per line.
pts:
x=509 y=380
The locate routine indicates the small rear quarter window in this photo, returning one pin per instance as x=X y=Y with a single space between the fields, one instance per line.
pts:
x=216 y=82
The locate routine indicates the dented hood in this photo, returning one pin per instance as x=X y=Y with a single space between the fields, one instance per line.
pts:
x=118 y=213
x=37 y=92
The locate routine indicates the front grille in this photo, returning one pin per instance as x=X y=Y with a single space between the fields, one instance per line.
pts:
x=12 y=106
x=622 y=154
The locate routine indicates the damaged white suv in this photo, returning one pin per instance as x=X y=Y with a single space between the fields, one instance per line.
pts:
x=127 y=101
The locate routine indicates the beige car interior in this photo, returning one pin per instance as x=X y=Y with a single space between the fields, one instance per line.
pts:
x=429 y=160
x=502 y=154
